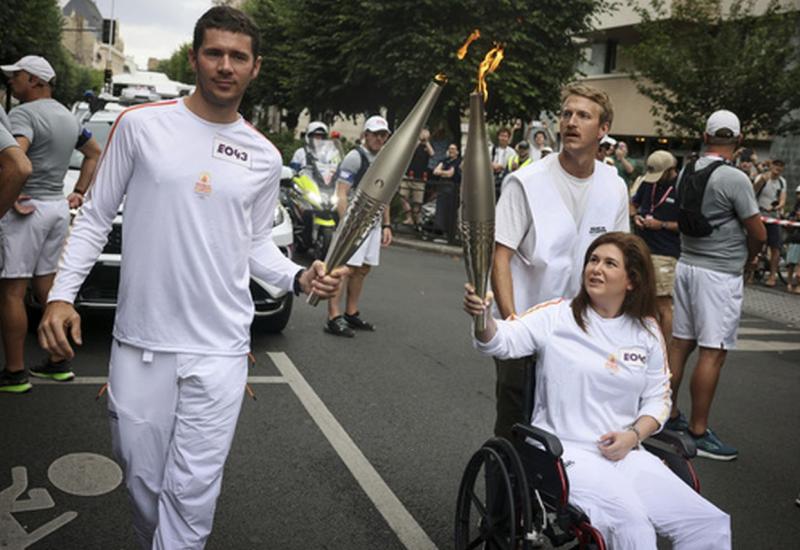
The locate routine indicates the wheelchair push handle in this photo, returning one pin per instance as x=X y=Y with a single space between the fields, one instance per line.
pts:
x=550 y=442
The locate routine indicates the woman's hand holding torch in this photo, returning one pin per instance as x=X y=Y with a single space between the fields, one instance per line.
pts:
x=476 y=306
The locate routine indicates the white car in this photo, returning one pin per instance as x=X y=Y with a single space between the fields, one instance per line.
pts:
x=273 y=306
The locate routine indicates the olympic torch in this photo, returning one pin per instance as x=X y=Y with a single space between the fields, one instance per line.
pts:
x=380 y=183
x=477 y=190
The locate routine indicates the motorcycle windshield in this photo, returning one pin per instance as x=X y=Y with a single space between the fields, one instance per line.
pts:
x=326 y=154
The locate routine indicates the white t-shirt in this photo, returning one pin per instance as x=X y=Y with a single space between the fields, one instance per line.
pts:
x=199 y=208
x=501 y=155
x=588 y=382
x=514 y=226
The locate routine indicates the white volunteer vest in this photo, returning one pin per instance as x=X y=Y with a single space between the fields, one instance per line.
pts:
x=557 y=264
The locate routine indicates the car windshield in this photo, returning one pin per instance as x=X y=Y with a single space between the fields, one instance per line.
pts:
x=100 y=130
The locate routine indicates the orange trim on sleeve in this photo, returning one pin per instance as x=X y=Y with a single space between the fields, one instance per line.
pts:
x=114 y=129
x=543 y=305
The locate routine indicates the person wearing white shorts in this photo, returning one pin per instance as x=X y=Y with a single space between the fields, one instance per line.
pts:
x=708 y=280
x=34 y=230
x=708 y=306
x=351 y=170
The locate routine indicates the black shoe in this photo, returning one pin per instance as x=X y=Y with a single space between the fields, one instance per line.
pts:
x=356 y=322
x=60 y=371
x=14 y=382
x=339 y=327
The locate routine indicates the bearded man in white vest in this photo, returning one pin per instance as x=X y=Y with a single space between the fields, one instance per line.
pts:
x=548 y=214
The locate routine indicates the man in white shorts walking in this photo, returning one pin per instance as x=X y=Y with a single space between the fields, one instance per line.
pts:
x=352 y=168
x=33 y=232
x=200 y=187
x=708 y=279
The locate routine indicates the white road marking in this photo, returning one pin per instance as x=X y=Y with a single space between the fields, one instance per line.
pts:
x=751 y=331
x=766 y=345
x=100 y=380
x=399 y=519
x=85 y=474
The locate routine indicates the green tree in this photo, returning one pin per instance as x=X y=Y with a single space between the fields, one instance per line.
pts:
x=701 y=58
x=354 y=57
x=177 y=67
x=34 y=27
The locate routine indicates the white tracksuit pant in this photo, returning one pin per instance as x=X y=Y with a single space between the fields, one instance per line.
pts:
x=172 y=419
x=631 y=500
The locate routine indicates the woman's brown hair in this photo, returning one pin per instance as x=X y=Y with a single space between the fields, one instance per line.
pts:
x=640 y=301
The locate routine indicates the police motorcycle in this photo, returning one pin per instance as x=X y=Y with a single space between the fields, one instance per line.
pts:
x=310 y=195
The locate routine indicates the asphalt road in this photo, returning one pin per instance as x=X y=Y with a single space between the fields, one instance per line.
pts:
x=360 y=444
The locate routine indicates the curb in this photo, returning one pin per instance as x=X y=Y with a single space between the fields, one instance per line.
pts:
x=427 y=246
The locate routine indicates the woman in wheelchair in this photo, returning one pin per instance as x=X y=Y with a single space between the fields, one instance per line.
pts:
x=602 y=386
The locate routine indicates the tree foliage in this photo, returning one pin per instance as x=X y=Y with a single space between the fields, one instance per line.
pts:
x=34 y=27
x=701 y=58
x=354 y=57
x=177 y=67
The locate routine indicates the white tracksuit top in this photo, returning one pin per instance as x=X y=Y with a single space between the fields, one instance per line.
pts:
x=199 y=208
x=588 y=383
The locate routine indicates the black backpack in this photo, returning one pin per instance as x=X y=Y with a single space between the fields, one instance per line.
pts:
x=691 y=190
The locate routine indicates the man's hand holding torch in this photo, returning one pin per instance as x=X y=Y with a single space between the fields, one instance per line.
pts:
x=325 y=285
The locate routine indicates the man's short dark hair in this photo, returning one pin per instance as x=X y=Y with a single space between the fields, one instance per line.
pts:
x=778 y=162
x=226 y=18
x=504 y=130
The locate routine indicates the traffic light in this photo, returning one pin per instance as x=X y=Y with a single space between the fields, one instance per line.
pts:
x=107 y=76
x=109 y=31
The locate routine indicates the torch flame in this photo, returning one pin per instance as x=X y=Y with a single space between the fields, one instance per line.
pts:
x=462 y=51
x=487 y=67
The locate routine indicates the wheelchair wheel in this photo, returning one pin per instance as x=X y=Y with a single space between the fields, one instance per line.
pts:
x=519 y=484
x=485 y=486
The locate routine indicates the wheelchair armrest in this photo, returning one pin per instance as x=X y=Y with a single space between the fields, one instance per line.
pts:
x=551 y=443
x=680 y=443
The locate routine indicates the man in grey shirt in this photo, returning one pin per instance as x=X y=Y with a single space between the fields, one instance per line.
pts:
x=35 y=230
x=709 y=283
x=14 y=168
x=351 y=170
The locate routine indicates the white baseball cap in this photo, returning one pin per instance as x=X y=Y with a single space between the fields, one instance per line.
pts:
x=376 y=124
x=722 y=120
x=33 y=64
x=317 y=127
x=608 y=140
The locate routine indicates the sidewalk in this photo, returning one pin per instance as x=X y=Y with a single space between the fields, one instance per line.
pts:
x=767 y=303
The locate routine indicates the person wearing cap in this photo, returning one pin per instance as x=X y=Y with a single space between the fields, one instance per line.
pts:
x=15 y=167
x=770 y=189
x=316 y=130
x=547 y=215
x=35 y=230
x=605 y=150
x=656 y=221
x=709 y=280
x=352 y=168
x=522 y=158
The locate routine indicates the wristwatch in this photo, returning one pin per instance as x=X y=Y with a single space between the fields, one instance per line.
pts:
x=296 y=287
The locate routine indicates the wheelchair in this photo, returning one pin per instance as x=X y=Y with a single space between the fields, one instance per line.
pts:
x=516 y=495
